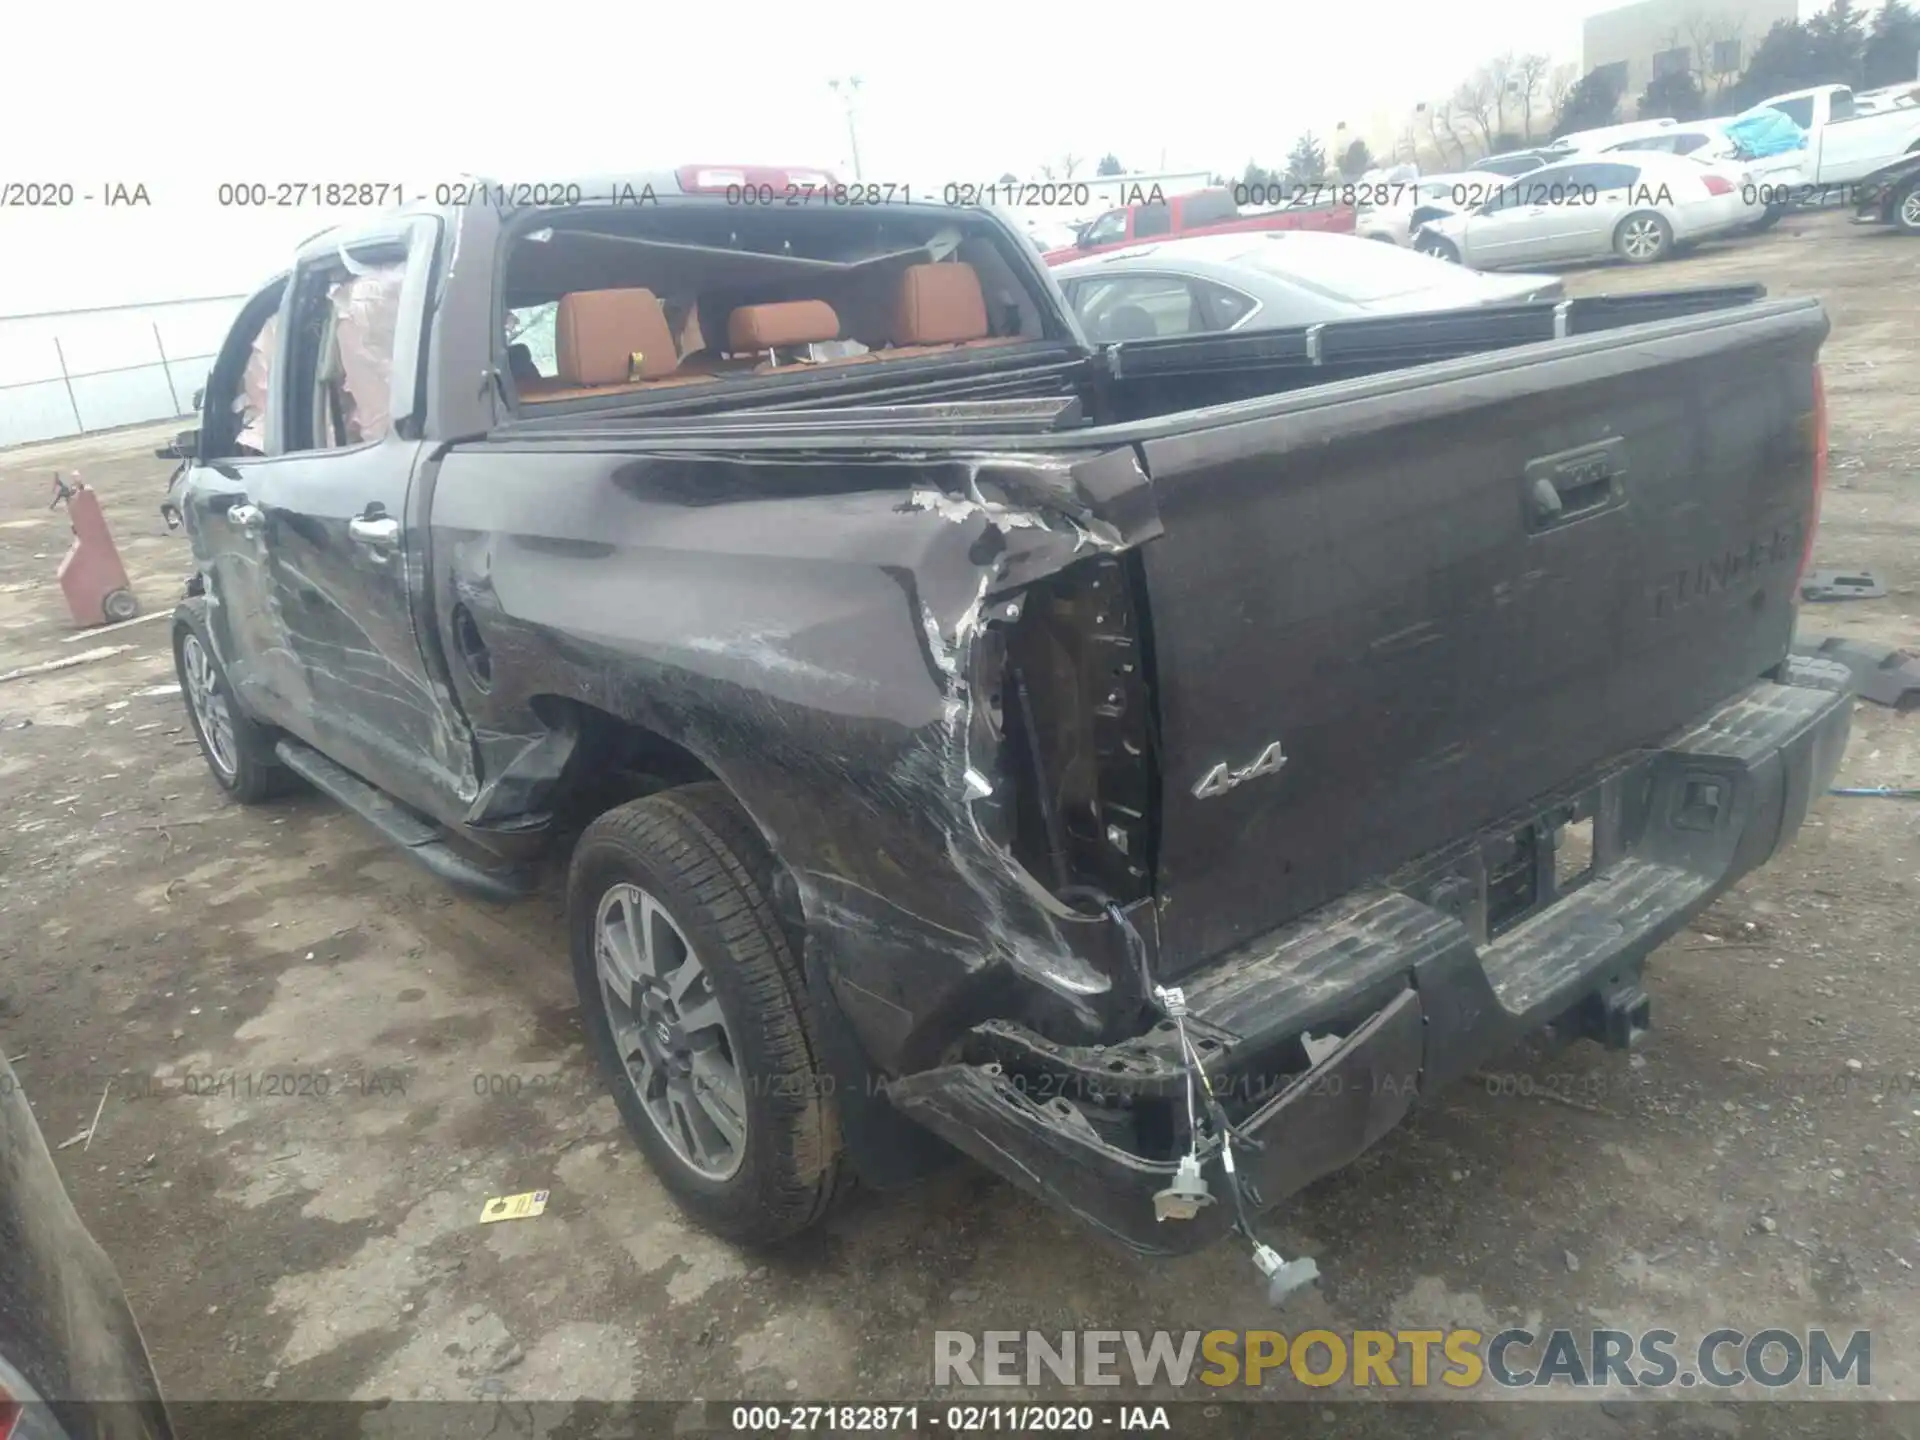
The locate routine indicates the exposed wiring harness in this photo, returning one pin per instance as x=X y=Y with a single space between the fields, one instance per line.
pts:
x=1188 y=1192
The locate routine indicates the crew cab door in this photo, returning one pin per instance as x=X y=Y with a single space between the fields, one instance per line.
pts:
x=340 y=572
x=238 y=438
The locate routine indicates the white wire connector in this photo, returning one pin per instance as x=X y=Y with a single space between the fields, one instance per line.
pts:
x=1284 y=1276
x=1173 y=1000
x=1183 y=1199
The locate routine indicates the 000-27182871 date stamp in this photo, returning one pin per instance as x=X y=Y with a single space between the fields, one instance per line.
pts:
x=275 y=1084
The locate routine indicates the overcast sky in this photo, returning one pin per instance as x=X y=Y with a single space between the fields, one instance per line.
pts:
x=182 y=98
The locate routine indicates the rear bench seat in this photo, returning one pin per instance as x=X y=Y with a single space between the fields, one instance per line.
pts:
x=610 y=342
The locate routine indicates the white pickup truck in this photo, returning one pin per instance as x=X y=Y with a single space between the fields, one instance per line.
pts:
x=1844 y=141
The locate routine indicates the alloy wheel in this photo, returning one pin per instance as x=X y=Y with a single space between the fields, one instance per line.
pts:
x=1910 y=211
x=209 y=701
x=1642 y=239
x=669 y=1032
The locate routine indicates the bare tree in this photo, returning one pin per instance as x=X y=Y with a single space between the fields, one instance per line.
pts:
x=1473 y=104
x=1441 y=130
x=1562 y=80
x=1068 y=164
x=1530 y=74
x=1503 y=80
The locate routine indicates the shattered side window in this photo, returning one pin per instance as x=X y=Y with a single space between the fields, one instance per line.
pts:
x=251 y=403
x=366 y=309
x=533 y=327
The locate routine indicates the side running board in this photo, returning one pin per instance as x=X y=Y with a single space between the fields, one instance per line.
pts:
x=415 y=834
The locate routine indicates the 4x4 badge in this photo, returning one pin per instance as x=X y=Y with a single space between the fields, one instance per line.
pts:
x=1223 y=777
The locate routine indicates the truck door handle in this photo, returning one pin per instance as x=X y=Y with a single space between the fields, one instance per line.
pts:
x=375 y=531
x=248 y=517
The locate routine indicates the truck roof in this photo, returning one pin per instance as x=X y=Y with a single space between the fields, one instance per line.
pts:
x=798 y=187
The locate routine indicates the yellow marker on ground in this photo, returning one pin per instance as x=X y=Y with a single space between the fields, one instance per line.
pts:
x=514 y=1207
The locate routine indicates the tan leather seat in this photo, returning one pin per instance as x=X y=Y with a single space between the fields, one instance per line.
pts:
x=754 y=328
x=769 y=329
x=610 y=341
x=938 y=307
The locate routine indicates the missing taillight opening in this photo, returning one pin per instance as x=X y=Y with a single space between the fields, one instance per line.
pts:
x=1078 y=726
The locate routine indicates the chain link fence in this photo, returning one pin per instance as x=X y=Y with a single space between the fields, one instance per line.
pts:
x=75 y=372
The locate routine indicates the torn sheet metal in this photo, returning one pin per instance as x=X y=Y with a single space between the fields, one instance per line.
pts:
x=1319 y=1121
x=807 y=629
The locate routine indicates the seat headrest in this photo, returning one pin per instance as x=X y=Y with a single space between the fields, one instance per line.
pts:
x=608 y=337
x=795 y=322
x=939 y=305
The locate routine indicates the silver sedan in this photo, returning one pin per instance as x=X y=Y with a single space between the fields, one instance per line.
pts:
x=1260 y=279
x=1639 y=207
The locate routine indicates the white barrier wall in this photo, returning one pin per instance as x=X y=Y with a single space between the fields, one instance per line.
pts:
x=77 y=371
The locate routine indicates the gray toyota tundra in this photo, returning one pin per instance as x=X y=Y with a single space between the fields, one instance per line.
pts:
x=1148 y=768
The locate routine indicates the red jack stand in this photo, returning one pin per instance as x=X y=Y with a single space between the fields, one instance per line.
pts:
x=94 y=579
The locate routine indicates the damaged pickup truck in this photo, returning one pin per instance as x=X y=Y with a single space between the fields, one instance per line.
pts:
x=1148 y=769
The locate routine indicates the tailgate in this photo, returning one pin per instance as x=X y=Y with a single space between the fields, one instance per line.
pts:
x=1443 y=592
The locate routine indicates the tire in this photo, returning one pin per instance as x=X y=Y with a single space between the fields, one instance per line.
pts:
x=237 y=749
x=690 y=865
x=1439 y=249
x=1905 y=209
x=1775 y=214
x=1642 y=238
x=119 y=605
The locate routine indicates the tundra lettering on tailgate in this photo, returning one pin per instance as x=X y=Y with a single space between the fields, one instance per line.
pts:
x=1679 y=588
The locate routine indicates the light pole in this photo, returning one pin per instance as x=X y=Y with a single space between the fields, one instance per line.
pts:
x=847 y=89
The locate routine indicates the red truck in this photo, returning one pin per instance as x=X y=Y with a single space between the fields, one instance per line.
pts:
x=1151 y=215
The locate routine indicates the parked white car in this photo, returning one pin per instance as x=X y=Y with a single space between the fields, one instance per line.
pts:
x=1774 y=181
x=1256 y=280
x=1637 y=206
x=1844 y=142
x=1408 y=204
x=1605 y=136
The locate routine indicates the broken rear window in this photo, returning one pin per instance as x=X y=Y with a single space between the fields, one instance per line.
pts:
x=601 y=303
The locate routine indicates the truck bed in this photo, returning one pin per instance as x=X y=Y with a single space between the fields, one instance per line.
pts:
x=1363 y=572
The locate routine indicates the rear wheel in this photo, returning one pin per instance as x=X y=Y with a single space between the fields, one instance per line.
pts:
x=1642 y=238
x=1439 y=249
x=1906 y=210
x=1775 y=214
x=695 y=1002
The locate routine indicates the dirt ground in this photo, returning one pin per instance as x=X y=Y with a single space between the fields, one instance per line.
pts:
x=1755 y=1165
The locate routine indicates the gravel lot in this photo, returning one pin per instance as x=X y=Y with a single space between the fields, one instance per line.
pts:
x=1754 y=1166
